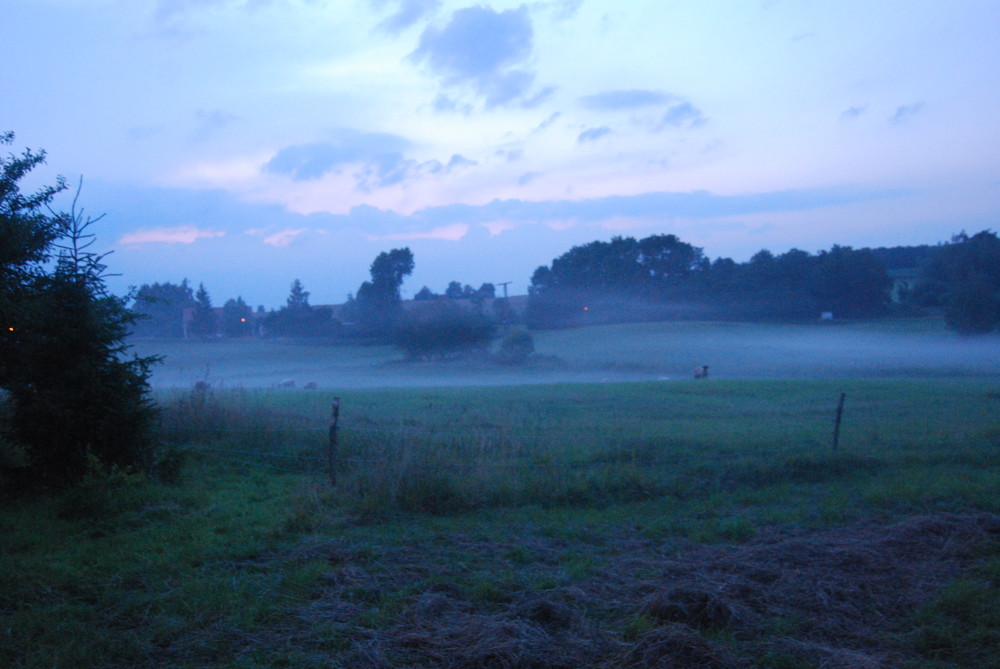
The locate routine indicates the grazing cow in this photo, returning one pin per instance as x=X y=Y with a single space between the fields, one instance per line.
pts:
x=310 y=386
x=701 y=372
x=287 y=383
x=202 y=386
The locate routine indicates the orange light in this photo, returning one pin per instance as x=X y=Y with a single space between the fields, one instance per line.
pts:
x=586 y=308
x=243 y=320
x=11 y=329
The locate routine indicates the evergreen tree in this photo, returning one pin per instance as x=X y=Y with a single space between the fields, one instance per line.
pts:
x=76 y=396
x=204 y=322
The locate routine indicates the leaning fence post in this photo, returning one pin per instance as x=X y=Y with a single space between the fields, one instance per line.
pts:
x=836 y=423
x=332 y=450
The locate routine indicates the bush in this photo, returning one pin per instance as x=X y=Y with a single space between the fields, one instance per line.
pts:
x=442 y=329
x=516 y=348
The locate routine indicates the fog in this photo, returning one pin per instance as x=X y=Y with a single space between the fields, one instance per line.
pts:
x=612 y=353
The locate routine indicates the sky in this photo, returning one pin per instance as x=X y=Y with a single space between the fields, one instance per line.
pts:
x=244 y=144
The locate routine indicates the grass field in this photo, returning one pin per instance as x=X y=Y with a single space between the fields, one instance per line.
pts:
x=649 y=523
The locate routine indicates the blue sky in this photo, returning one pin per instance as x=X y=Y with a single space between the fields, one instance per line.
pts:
x=247 y=143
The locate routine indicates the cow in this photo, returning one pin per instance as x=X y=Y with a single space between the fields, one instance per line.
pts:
x=701 y=372
x=310 y=386
x=287 y=383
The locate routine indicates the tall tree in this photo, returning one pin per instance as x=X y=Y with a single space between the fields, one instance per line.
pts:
x=76 y=396
x=160 y=308
x=204 y=322
x=298 y=318
x=378 y=305
x=26 y=236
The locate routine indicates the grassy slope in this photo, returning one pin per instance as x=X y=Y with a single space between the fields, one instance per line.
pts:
x=247 y=564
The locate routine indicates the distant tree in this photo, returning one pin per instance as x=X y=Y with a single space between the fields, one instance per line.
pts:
x=454 y=290
x=298 y=318
x=667 y=258
x=236 y=318
x=850 y=283
x=160 y=309
x=424 y=293
x=965 y=277
x=487 y=291
x=378 y=306
x=78 y=400
x=298 y=297
x=442 y=329
x=204 y=322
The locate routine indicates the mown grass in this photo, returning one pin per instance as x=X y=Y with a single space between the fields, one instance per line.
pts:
x=485 y=496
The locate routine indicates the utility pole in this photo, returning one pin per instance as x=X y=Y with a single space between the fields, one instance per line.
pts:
x=506 y=307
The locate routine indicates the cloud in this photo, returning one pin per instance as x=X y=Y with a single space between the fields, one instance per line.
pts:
x=681 y=115
x=183 y=234
x=453 y=233
x=303 y=162
x=483 y=50
x=906 y=112
x=527 y=178
x=630 y=99
x=283 y=237
x=408 y=12
x=547 y=122
x=593 y=134
x=853 y=112
x=209 y=122
x=562 y=10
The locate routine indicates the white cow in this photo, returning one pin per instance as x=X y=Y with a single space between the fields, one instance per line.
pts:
x=701 y=372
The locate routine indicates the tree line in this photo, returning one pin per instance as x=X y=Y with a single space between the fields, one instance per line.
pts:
x=663 y=277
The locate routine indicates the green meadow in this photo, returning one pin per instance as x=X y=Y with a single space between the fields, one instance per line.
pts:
x=595 y=508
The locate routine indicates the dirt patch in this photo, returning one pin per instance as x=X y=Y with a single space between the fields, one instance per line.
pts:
x=836 y=598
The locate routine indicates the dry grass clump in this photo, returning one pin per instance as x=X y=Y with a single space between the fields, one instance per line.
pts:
x=834 y=598
x=675 y=646
x=535 y=633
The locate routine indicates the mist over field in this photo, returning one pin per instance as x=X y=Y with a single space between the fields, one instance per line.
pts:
x=631 y=352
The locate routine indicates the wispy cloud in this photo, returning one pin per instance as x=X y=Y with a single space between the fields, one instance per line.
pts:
x=527 y=178
x=183 y=234
x=283 y=237
x=629 y=99
x=208 y=122
x=853 y=112
x=406 y=14
x=593 y=134
x=906 y=112
x=682 y=115
x=453 y=232
x=679 y=112
x=311 y=161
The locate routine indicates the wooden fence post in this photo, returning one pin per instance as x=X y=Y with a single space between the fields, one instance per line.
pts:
x=836 y=423
x=332 y=451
